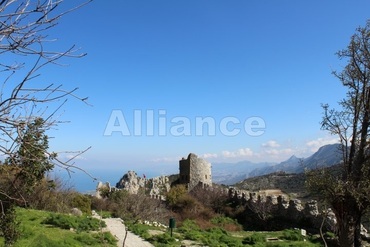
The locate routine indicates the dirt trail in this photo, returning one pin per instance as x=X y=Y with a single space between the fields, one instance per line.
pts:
x=117 y=228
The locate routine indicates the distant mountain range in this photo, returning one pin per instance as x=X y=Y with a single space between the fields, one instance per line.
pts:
x=231 y=173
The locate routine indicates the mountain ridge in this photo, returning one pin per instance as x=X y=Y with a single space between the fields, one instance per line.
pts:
x=231 y=173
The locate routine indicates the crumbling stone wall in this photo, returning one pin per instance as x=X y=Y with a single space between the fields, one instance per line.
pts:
x=280 y=206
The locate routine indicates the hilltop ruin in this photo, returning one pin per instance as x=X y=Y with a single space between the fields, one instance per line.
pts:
x=193 y=171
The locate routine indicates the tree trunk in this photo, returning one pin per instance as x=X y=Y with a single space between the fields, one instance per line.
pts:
x=349 y=224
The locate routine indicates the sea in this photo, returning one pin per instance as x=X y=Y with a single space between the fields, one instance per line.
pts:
x=87 y=182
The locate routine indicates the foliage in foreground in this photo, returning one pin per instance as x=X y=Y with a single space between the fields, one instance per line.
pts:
x=217 y=236
x=36 y=234
x=81 y=223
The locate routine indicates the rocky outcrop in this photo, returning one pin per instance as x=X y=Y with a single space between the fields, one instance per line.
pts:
x=155 y=187
x=131 y=182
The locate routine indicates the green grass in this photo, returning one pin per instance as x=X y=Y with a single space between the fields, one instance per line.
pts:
x=164 y=240
x=140 y=229
x=35 y=233
x=78 y=223
x=218 y=237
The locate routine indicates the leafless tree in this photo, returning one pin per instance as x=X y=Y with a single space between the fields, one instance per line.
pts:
x=347 y=191
x=261 y=207
x=137 y=207
x=26 y=49
x=213 y=197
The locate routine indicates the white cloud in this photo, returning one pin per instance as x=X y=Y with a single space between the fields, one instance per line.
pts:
x=209 y=155
x=242 y=152
x=166 y=159
x=314 y=145
x=271 y=144
x=279 y=152
x=273 y=150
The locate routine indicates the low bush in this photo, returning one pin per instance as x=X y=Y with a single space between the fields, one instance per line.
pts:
x=190 y=230
x=82 y=202
x=45 y=241
x=107 y=237
x=164 y=239
x=226 y=223
x=105 y=214
x=61 y=221
x=216 y=237
x=96 y=238
x=293 y=235
x=79 y=223
x=254 y=239
x=139 y=229
x=290 y=244
x=89 y=224
x=9 y=225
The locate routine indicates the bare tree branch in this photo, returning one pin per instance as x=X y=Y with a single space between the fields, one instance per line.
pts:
x=26 y=49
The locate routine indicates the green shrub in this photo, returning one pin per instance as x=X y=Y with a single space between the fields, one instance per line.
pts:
x=139 y=229
x=293 y=235
x=189 y=225
x=9 y=226
x=176 y=194
x=89 y=224
x=215 y=237
x=86 y=239
x=230 y=241
x=290 y=244
x=222 y=221
x=254 y=239
x=79 y=223
x=190 y=230
x=43 y=241
x=107 y=237
x=164 y=238
x=82 y=202
x=330 y=235
x=105 y=214
x=61 y=221
x=96 y=238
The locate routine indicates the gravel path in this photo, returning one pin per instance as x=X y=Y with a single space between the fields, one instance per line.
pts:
x=117 y=228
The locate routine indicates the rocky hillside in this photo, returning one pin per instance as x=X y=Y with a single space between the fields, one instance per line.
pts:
x=292 y=184
x=288 y=183
x=231 y=173
x=326 y=156
x=155 y=187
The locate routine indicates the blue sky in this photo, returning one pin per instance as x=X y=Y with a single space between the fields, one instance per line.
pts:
x=240 y=59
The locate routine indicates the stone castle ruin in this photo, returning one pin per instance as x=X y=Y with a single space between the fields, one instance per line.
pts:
x=193 y=171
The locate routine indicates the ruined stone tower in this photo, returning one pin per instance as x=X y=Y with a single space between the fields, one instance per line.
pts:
x=195 y=171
